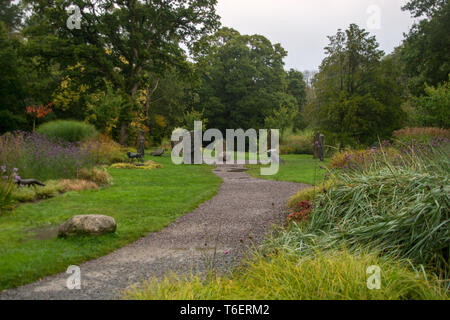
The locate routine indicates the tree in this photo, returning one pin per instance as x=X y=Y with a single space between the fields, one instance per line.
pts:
x=434 y=106
x=37 y=112
x=425 y=49
x=296 y=87
x=125 y=42
x=12 y=88
x=357 y=95
x=280 y=119
x=242 y=80
x=428 y=8
x=10 y=15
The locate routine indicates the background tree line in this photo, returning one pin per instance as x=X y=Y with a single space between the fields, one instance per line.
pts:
x=157 y=65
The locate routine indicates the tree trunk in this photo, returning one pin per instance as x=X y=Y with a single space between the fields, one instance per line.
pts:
x=124 y=133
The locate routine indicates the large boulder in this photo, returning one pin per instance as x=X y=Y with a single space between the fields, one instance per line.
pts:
x=90 y=225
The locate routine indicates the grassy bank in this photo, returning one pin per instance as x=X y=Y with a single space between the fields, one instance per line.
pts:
x=141 y=201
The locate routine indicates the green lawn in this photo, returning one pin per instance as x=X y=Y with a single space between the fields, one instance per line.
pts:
x=141 y=201
x=298 y=168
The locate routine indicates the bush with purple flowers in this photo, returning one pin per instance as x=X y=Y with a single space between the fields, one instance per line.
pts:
x=39 y=157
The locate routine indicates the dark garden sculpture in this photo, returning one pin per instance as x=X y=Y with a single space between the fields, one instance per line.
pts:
x=29 y=182
x=133 y=156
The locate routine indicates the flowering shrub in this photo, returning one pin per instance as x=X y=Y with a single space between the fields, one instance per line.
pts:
x=39 y=157
x=303 y=209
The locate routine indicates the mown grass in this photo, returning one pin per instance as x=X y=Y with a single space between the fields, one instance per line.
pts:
x=298 y=168
x=141 y=201
x=326 y=275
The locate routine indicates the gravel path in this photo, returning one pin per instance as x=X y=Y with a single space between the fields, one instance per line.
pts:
x=242 y=212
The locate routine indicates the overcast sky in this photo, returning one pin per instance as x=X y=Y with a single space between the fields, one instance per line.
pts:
x=302 y=26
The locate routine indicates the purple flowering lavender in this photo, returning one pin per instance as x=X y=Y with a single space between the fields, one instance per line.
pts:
x=38 y=157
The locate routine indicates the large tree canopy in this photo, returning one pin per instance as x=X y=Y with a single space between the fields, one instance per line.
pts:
x=126 y=42
x=358 y=98
x=11 y=83
x=425 y=49
x=243 y=80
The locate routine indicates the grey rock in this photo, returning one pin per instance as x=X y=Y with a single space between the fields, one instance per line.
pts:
x=91 y=225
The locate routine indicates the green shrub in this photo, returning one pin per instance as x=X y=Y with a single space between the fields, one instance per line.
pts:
x=333 y=275
x=298 y=143
x=434 y=107
x=68 y=130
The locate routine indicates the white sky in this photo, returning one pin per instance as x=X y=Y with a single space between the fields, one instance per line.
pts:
x=302 y=26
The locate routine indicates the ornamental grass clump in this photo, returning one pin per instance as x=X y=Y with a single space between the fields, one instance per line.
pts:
x=399 y=207
x=68 y=130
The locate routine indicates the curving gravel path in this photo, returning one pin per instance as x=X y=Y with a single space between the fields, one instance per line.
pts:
x=215 y=233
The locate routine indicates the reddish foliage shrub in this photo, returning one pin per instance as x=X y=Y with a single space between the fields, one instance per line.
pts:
x=302 y=211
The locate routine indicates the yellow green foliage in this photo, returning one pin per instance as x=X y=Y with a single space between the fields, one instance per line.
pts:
x=309 y=193
x=51 y=189
x=149 y=165
x=328 y=275
x=24 y=194
x=68 y=92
